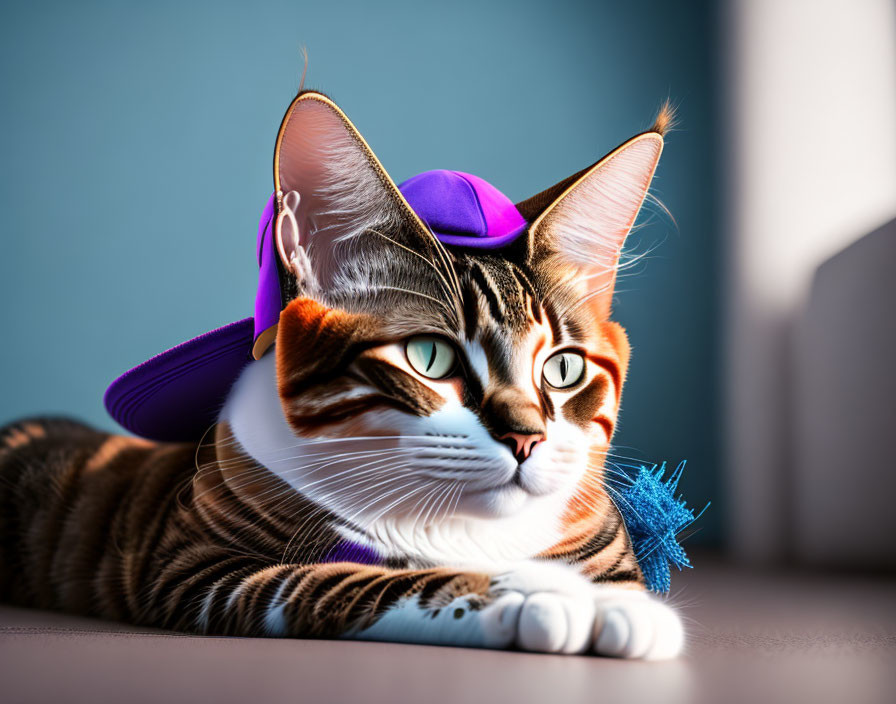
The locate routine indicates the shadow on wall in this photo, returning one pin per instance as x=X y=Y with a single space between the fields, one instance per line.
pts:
x=809 y=167
x=844 y=409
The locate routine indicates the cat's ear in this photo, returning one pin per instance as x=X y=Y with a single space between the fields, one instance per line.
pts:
x=335 y=201
x=582 y=222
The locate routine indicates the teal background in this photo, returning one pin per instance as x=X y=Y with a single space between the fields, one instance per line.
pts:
x=136 y=149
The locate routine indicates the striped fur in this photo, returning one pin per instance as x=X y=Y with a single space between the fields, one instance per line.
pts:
x=482 y=495
x=118 y=528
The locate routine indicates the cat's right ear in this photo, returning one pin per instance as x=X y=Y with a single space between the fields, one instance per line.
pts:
x=581 y=223
x=335 y=201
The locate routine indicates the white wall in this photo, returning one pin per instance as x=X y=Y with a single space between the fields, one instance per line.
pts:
x=809 y=139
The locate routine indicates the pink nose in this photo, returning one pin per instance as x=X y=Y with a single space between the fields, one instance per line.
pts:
x=520 y=444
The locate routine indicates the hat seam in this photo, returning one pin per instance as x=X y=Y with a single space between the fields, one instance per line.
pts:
x=476 y=200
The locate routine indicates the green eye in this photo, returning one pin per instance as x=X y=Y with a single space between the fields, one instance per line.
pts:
x=564 y=369
x=430 y=356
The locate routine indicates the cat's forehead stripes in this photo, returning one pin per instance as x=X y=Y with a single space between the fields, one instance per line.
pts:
x=508 y=320
x=505 y=294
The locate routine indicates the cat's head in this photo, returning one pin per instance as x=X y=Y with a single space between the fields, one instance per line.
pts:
x=423 y=381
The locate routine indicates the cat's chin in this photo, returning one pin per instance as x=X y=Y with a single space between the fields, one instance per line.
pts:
x=496 y=502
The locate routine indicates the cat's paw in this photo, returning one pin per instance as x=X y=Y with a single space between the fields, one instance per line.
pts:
x=543 y=622
x=630 y=624
x=549 y=608
x=553 y=609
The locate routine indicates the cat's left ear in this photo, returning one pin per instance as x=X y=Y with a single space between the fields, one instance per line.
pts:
x=582 y=222
x=335 y=201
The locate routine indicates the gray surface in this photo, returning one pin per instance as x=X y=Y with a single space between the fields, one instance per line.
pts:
x=754 y=637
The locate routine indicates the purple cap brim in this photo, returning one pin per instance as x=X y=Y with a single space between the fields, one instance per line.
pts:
x=177 y=395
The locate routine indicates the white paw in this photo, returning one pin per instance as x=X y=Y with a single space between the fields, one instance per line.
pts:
x=631 y=624
x=546 y=608
x=553 y=609
x=543 y=622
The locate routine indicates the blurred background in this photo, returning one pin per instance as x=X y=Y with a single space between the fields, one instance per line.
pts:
x=137 y=140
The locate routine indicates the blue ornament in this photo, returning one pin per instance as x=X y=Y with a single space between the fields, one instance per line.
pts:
x=654 y=517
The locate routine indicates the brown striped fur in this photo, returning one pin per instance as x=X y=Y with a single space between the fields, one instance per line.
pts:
x=137 y=538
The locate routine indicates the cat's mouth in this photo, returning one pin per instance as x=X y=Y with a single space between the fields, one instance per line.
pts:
x=519 y=482
x=496 y=489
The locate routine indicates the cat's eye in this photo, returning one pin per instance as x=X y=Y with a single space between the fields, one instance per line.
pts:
x=564 y=369
x=431 y=356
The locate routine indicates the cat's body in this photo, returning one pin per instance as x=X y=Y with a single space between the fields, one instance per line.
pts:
x=420 y=458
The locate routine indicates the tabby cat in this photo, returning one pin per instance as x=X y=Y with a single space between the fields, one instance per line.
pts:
x=419 y=456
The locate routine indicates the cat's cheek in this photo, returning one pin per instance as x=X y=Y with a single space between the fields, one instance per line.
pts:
x=557 y=464
x=599 y=435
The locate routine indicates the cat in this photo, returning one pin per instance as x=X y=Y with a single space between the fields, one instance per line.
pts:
x=419 y=456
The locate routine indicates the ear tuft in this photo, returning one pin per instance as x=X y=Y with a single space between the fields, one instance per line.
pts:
x=304 y=70
x=665 y=119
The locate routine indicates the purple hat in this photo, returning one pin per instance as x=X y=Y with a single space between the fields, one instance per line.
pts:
x=177 y=395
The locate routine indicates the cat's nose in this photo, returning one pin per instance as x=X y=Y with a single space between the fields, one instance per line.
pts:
x=521 y=444
x=515 y=420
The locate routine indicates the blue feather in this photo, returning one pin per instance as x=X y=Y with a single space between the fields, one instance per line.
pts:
x=654 y=517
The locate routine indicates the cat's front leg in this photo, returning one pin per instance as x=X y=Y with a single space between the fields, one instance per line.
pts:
x=338 y=600
x=543 y=607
